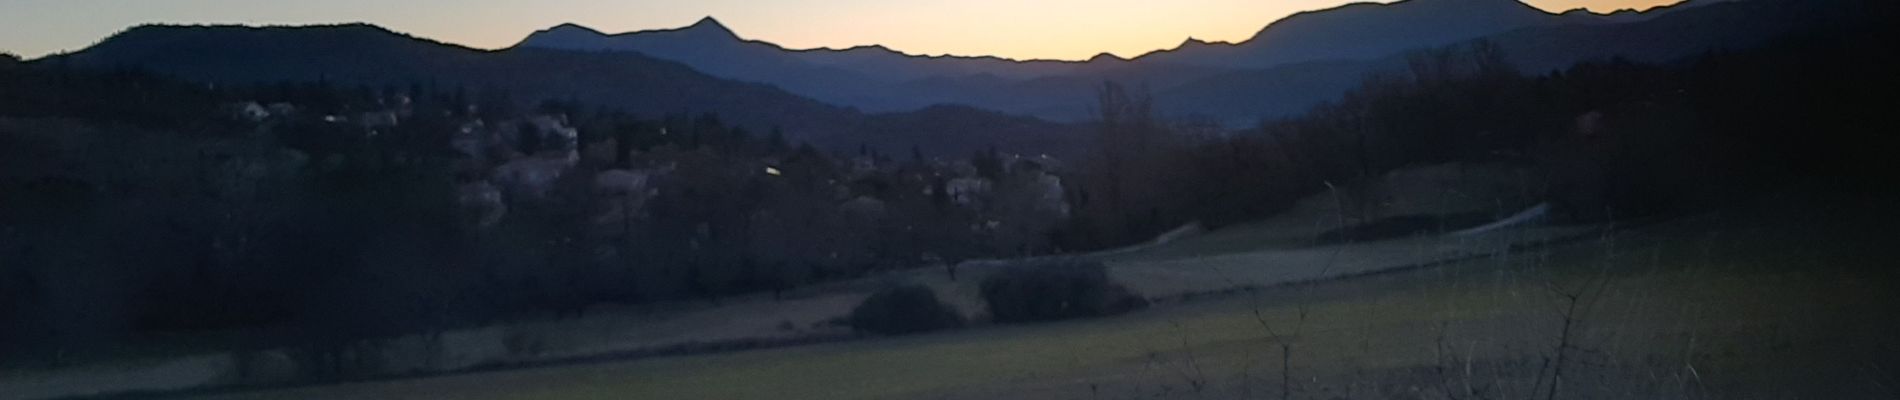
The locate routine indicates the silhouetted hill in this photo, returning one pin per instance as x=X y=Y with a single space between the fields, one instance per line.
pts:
x=869 y=77
x=1373 y=30
x=1665 y=35
x=681 y=70
x=707 y=45
x=1068 y=97
x=1721 y=26
x=368 y=55
x=1243 y=98
x=1233 y=82
x=711 y=46
x=875 y=78
x=942 y=127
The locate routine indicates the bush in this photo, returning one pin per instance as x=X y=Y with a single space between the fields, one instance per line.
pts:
x=1056 y=290
x=903 y=310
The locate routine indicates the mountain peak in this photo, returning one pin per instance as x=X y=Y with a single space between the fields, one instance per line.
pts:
x=1511 y=3
x=1514 y=5
x=709 y=24
x=574 y=28
x=1194 y=42
x=1106 y=57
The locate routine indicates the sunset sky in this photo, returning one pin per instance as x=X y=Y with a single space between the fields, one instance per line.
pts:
x=1053 y=29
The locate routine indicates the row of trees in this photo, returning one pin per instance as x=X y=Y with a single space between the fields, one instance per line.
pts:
x=1612 y=138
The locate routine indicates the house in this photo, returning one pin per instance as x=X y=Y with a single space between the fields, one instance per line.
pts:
x=551 y=132
x=281 y=109
x=1048 y=195
x=250 y=111
x=378 y=120
x=530 y=178
x=866 y=208
x=481 y=203
x=967 y=191
x=472 y=139
x=625 y=193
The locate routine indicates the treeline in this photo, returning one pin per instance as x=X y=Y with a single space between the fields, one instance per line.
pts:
x=127 y=97
x=1460 y=103
x=1613 y=139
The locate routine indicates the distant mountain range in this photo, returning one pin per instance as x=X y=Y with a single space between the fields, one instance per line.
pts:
x=358 y=54
x=1363 y=31
x=872 y=78
x=874 y=95
x=1275 y=73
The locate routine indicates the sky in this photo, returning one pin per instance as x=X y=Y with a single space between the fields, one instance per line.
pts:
x=1019 y=29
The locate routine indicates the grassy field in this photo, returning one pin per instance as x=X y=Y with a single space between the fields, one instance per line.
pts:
x=1722 y=306
x=1268 y=252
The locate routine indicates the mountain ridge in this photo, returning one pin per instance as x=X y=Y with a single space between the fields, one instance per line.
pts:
x=826 y=102
x=1651 y=11
x=370 y=56
x=877 y=78
x=1317 y=35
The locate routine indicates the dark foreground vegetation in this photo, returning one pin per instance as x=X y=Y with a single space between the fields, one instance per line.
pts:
x=902 y=310
x=133 y=205
x=1056 y=290
x=1612 y=139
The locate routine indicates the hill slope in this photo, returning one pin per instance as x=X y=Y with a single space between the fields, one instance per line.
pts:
x=1373 y=30
x=1268 y=75
x=1242 y=97
x=372 y=56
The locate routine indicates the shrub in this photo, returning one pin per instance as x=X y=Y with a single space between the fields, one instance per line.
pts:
x=903 y=310
x=1057 y=290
